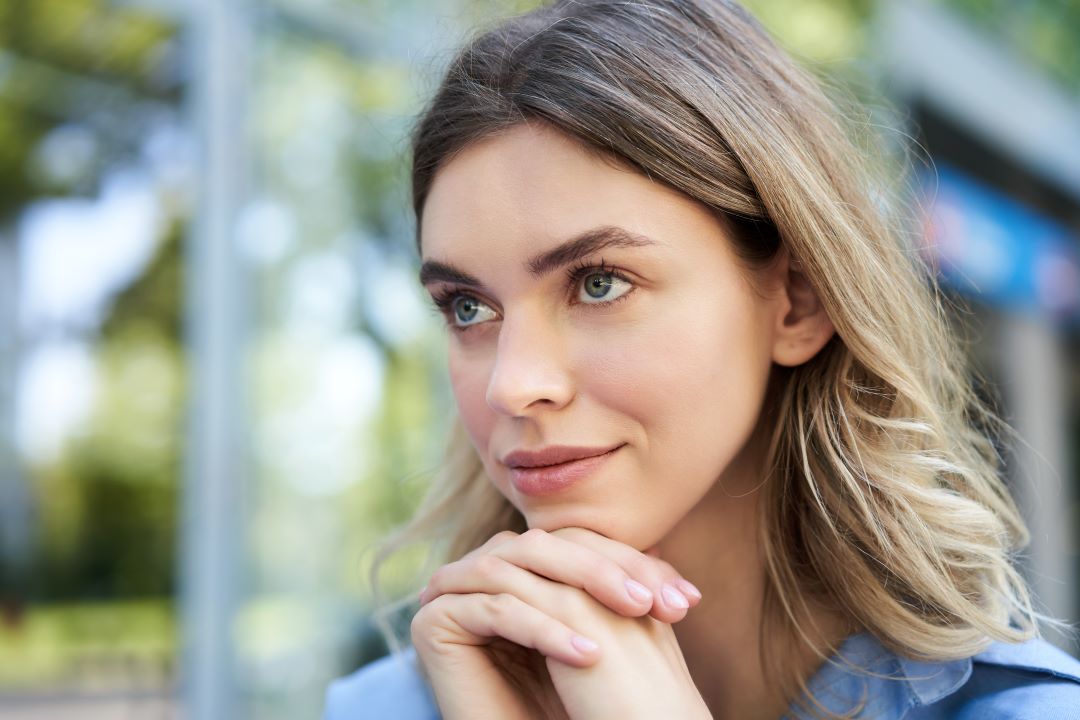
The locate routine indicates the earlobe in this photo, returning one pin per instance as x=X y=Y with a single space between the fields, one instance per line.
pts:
x=802 y=326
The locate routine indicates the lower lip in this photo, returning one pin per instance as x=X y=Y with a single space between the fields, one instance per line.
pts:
x=555 y=478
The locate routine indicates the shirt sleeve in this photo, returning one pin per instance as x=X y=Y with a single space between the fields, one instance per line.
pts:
x=390 y=687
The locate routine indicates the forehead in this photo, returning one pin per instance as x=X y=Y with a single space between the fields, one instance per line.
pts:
x=531 y=186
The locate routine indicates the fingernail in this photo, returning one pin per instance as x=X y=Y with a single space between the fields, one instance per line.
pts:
x=688 y=588
x=674 y=598
x=583 y=644
x=422 y=594
x=639 y=592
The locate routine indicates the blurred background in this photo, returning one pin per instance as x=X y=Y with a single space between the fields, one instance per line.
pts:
x=219 y=379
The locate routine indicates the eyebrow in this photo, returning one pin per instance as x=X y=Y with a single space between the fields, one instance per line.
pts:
x=576 y=248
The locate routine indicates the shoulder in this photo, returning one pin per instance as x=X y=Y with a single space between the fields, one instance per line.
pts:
x=1026 y=681
x=390 y=687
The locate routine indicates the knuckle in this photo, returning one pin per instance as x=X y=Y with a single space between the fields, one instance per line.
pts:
x=501 y=537
x=580 y=604
x=532 y=533
x=427 y=626
x=533 y=540
x=668 y=569
x=488 y=566
x=437 y=577
x=610 y=574
x=422 y=620
x=599 y=570
x=645 y=571
x=499 y=605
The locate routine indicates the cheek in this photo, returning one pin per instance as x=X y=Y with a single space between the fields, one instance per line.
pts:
x=693 y=379
x=468 y=380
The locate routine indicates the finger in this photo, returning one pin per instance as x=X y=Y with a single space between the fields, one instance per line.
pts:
x=638 y=564
x=671 y=597
x=574 y=564
x=495 y=540
x=498 y=538
x=493 y=575
x=482 y=616
x=534 y=571
x=577 y=564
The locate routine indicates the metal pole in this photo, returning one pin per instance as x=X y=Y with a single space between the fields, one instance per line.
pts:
x=216 y=466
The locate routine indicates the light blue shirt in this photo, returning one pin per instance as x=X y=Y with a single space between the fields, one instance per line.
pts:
x=1028 y=681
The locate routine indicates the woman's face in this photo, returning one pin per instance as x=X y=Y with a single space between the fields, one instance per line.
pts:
x=665 y=351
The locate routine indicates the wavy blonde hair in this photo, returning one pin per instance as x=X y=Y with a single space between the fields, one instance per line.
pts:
x=884 y=495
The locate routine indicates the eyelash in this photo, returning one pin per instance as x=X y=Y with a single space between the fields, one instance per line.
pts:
x=444 y=299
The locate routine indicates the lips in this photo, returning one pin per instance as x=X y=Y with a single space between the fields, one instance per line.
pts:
x=540 y=479
x=552 y=455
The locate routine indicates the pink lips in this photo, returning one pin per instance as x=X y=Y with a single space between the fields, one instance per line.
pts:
x=554 y=469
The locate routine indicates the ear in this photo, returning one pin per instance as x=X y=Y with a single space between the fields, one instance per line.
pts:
x=801 y=327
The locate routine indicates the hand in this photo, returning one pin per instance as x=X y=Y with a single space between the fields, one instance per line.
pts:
x=496 y=629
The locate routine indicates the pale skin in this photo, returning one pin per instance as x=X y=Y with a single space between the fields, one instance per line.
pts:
x=668 y=350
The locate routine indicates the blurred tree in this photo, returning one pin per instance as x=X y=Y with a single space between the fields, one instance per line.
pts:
x=109 y=516
x=81 y=81
x=76 y=61
x=1044 y=32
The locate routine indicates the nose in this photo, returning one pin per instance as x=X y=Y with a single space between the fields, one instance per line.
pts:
x=530 y=372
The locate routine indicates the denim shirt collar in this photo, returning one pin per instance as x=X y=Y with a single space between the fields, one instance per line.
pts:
x=889 y=684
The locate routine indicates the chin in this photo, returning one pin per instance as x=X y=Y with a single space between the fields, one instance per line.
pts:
x=550 y=521
x=554 y=519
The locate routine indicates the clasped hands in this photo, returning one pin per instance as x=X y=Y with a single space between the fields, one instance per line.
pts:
x=561 y=624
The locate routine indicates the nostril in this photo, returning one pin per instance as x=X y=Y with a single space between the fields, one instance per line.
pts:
x=519 y=394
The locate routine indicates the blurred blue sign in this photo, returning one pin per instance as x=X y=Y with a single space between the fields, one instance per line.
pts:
x=990 y=246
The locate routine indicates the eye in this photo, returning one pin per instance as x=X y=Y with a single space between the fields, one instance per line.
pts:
x=464 y=311
x=602 y=284
x=598 y=288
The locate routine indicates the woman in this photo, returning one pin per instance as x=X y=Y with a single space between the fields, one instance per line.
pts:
x=689 y=351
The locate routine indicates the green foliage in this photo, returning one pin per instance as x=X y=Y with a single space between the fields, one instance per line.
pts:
x=94 y=38
x=19 y=134
x=72 y=61
x=818 y=31
x=1044 y=32
x=100 y=642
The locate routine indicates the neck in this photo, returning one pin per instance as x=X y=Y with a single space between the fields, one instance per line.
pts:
x=717 y=547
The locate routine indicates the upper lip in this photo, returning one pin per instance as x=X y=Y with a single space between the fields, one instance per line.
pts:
x=552 y=455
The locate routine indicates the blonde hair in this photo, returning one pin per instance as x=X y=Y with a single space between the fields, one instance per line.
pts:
x=884 y=496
